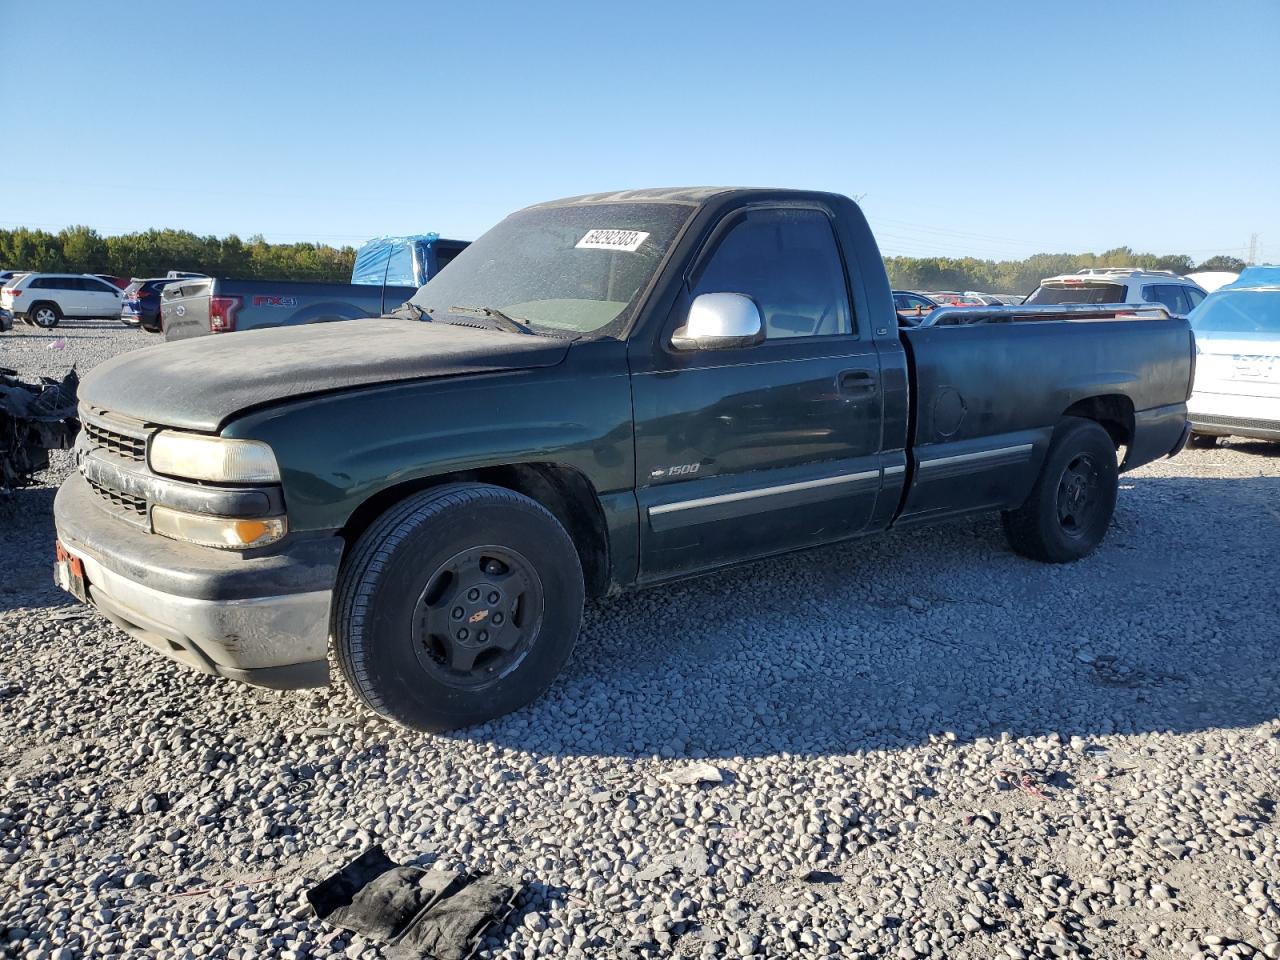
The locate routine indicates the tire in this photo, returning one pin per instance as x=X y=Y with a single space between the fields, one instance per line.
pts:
x=1203 y=440
x=423 y=575
x=44 y=315
x=1070 y=507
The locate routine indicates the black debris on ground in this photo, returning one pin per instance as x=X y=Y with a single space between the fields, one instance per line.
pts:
x=420 y=914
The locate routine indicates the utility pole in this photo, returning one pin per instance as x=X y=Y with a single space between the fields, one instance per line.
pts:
x=1253 y=249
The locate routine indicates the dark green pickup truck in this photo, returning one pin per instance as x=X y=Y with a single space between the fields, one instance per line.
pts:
x=600 y=393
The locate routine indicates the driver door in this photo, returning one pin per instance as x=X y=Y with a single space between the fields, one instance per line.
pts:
x=747 y=451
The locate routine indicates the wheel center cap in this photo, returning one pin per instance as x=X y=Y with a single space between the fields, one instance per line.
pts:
x=478 y=608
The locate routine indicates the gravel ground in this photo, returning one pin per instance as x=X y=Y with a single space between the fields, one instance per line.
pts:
x=928 y=748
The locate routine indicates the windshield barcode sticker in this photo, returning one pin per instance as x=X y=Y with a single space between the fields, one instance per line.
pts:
x=628 y=240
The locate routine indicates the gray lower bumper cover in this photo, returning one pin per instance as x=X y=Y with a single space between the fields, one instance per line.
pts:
x=262 y=620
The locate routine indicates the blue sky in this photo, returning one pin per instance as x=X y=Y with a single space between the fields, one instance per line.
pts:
x=990 y=129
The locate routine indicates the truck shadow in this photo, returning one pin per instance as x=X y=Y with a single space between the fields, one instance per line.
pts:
x=26 y=529
x=883 y=643
x=1262 y=448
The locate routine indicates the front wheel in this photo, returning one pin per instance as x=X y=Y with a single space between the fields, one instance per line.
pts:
x=45 y=315
x=1070 y=507
x=458 y=605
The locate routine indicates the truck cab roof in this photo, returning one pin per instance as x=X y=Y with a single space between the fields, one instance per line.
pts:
x=687 y=195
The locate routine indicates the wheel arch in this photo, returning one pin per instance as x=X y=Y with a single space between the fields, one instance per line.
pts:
x=563 y=490
x=1112 y=411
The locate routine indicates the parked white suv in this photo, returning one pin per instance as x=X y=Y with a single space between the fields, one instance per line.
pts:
x=1120 y=285
x=45 y=298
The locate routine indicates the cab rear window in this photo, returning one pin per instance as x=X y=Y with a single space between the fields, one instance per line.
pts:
x=1078 y=293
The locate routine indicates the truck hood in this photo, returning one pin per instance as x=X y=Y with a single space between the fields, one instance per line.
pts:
x=199 y=384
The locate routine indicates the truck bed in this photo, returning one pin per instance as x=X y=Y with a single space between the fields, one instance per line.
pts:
x=185 y=313
x=986 y=398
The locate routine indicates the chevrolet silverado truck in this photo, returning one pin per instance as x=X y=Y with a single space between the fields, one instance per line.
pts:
x=387 y=272
x=601 y=393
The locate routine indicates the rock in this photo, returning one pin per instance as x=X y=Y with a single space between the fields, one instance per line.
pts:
x=693 y=774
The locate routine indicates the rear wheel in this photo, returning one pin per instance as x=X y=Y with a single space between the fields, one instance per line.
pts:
x=458 y=605
x=1202 y=440
x=45 y=315
x=1069 y=509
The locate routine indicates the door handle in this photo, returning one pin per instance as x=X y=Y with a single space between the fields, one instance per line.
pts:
x=856 y=382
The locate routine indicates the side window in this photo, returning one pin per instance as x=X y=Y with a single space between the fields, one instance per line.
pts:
x=1174 y=297
x=97 y=286
x=71 y=283
x=1180 y=294
x=788 y=263
x=1194 y=296
x=1167 y=294
x=39 y=283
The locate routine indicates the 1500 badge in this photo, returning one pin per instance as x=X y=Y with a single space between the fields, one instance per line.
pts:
x=679 y=470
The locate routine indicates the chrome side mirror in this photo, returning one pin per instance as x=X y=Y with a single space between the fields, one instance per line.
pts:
x=720 y=321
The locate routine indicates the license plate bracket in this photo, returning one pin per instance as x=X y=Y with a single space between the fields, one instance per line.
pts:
x=68 y=573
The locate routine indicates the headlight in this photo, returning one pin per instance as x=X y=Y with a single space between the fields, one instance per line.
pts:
x=222 y=460
x=216 y=531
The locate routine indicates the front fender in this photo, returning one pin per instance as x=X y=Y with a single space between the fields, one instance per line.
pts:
x=338 y=450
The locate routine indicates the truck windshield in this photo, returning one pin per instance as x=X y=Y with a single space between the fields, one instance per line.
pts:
x=1238 y=311
x=574 y=269
x=1077 y=293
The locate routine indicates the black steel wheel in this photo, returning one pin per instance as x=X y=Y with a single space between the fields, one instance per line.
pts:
x=1079 y=495
x=458 y=605
x=1070 y=507
x=478 y=616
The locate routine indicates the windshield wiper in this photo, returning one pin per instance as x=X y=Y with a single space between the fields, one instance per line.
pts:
x=410 y=311
x=500 y=320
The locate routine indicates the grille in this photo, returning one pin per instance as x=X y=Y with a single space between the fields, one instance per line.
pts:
x=122 y=445
x=122 y=502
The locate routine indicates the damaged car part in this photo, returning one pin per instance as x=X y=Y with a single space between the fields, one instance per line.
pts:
x=34 y=419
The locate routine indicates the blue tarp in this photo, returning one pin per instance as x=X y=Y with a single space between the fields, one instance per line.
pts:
x=1253 y=277
x=394 y=261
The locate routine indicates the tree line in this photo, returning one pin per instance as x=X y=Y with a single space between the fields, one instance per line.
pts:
x=1023 y=276
x=154 y=252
